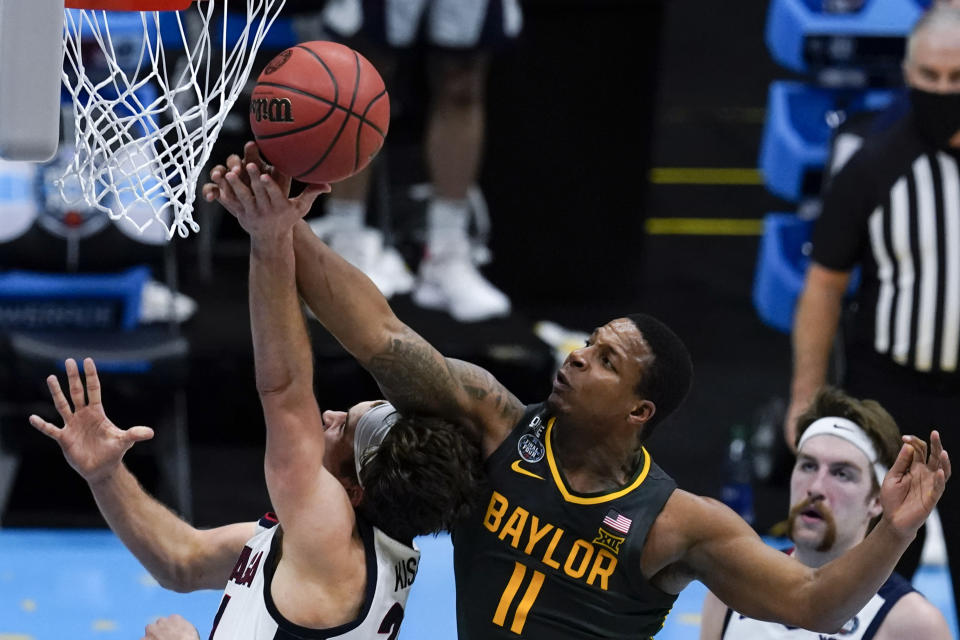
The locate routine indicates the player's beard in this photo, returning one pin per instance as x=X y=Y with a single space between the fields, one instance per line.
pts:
x=830 y=532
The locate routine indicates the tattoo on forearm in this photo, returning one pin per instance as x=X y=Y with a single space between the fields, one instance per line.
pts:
x=414 y=375
x=481 y=385
x=475 y=392
x=409 y=372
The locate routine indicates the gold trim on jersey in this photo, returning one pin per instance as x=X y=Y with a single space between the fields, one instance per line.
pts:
x=570 y=497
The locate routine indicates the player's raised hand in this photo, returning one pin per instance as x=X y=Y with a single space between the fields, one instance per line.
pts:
x=259 y=202
x=172 y=627
x=251 y=153
x=91 y=443
x=915 y=483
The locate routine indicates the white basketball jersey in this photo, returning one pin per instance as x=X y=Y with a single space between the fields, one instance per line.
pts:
x=862 y=626
x=247 y=610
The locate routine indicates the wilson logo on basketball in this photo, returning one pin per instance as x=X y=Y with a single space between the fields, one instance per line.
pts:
x=271 y=109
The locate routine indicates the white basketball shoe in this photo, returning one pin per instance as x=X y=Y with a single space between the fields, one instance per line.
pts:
x=450 y=281
x=364 y=249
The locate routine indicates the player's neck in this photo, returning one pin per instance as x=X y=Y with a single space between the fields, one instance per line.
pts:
x=593 y=462
x=816 y=559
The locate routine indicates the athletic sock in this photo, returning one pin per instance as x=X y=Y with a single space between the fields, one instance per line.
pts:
x=447 y=222
x=346 y=215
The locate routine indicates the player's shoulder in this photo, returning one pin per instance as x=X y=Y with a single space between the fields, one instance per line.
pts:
x=685 y=519
x=913 y=616
x=685 y=507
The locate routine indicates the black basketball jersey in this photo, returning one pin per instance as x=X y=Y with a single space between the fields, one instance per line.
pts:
x=538 y=560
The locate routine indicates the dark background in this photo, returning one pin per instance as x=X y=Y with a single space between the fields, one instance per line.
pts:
x=594 y=95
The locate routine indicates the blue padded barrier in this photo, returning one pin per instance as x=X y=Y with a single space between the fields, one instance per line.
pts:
x=797 y=133
x=34 y=300
x=281 y=34
x=801 y=36
x=782 y=262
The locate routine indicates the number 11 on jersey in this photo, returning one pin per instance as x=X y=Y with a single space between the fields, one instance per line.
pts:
x=513 y=586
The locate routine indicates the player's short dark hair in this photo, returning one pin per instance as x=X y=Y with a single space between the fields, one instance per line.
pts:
x=424 y=477
x=667 y=379
x=876 y=422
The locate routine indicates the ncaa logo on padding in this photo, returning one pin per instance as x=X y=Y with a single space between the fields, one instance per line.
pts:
x=530 y=449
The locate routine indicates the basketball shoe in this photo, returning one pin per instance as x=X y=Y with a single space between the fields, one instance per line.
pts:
x=450 y=281
x=364 y=248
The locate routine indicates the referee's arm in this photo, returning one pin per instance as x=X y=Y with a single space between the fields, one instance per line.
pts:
x=814 y=329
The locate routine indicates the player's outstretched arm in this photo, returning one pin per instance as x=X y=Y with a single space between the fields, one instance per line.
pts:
x=412 y=374
x=177 y=555
x=319 y=525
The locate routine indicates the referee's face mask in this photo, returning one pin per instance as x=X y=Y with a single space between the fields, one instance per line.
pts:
x=936 y=115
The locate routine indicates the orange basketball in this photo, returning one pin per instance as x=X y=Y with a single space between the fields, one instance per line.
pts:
x=319 y=112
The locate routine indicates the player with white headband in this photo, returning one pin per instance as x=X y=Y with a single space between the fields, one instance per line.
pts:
x=844 y=449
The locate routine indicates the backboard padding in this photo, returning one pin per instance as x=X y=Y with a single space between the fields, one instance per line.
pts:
x=31 y=67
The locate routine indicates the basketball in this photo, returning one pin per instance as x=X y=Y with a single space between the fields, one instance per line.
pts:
x=319 y=112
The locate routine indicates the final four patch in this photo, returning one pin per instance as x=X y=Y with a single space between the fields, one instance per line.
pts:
x=530 y=448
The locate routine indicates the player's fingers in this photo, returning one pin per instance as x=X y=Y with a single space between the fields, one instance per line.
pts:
x=139 y=434
x=210 y=192
x=241 y=192
x=233 y=161
x=902 y=463
x=946 y=465
x=936 y=446
x=919 y=449
x=258 y=184
x=227 y=197
x=59 y=400
x=75 y=384
x=939 y=484
x=310 y=195
x=251 y=153
x=218 y=170
x=271 y=191
x=46 y=428
x=93 y=381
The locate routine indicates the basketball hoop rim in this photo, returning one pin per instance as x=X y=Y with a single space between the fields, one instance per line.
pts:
x=129 y=5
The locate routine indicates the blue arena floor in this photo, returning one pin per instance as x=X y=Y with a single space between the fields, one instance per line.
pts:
x=84 y=585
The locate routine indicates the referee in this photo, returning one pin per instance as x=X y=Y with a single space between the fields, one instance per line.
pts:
x=894 y=210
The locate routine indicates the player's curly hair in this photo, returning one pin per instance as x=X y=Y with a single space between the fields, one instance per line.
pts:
x=423 y=478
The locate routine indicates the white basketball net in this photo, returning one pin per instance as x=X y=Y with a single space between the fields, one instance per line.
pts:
x=150 y=93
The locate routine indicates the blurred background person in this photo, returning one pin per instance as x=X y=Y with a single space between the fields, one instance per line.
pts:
x=894 y=210
x=845 y=447
x=459 y=35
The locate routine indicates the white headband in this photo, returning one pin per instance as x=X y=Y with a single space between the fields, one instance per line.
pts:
x=372 y=428
x=851 y=432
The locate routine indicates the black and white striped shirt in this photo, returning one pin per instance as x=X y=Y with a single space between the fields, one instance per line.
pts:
x=894 y=209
